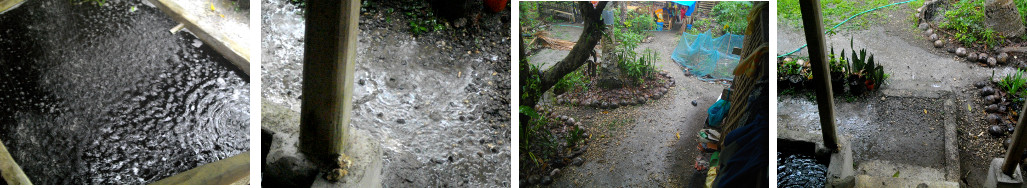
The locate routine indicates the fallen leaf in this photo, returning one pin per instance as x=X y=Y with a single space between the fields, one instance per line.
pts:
x=896 y=174
x=925 y=111
x=459 y=73
x=679 y=135
x=968 y=108
x=211 y=6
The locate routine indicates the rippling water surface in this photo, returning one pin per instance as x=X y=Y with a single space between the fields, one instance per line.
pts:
x=106 y=95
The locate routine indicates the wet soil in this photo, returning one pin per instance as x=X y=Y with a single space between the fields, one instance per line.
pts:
x=106 y=95
x=437 y=102
x=916 y=67
x=638 y=146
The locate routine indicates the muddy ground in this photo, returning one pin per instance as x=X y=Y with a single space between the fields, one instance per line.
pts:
x=638 y=146
x=917 y=69
x=438 y=102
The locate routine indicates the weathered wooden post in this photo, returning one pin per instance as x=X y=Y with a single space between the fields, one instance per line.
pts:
x=328 y=62
x=1015 y=152
x=812 y=24
x=9 y=170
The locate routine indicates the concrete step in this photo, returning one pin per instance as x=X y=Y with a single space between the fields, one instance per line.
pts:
x=879 y=168
x=872 y=181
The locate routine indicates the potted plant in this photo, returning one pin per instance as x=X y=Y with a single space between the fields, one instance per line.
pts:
x=838 y=65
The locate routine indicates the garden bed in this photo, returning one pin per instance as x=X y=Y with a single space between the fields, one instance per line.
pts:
x=959 y=28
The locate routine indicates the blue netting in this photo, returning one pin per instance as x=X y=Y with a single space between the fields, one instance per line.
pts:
x=708 y=56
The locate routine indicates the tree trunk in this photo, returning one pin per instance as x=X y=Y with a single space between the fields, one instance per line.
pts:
x=1003 y=17
x=587 y=41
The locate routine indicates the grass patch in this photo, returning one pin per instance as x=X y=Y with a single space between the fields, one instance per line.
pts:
x=835 y=11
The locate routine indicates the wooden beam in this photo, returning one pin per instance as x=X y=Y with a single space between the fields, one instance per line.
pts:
x=223 y=172
x=10 y=170
x=812 y=24
x=232 y=43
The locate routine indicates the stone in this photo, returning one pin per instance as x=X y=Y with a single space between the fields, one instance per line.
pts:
x=961 y=52
x=923 y=26
x=933 y=36
x=972 y=57
x=939 y=43
x=694 y=103
x=982 y=57
x=987 y=90
x=991 y=99
x=1002 y=58
x=994 y=119
x=992 y=61
x=991 y=108
x=555 y=173
x=547 y=180
x=577 y=161
x=980 y=84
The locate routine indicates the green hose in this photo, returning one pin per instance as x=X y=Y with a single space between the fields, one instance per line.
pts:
x=846 y=20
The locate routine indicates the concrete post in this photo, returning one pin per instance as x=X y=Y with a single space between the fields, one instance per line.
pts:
x=812 y=24
x=329 y=59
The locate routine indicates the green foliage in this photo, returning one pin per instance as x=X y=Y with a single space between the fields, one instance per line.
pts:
x=424 y=24
x=96 y=2
x=532 y=87
x=834 y=12
x=535 y=137
x=1014 y=84
x=638 y=22
x=789 y=67
x=572 y=81
x=732 y=15
x=967 y=20
x=641 y=68
x=1021 y=6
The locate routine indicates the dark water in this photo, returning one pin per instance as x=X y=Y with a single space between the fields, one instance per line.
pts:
x=797 y=170
x=106 y=95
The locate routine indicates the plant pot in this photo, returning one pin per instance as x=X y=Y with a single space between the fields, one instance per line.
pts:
x=870 y=85
x=857 y=85
x=796 y=81
x=838 y=82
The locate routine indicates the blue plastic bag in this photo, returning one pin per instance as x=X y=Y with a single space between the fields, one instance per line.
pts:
x=717 y=112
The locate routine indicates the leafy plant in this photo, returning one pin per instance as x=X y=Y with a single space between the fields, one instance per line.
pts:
x=967 y=19
x=572 y=81
x=732 y=15
x=641 y=68
x=1015 y=84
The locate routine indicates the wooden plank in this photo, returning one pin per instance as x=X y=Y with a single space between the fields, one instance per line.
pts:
x=223 y=172
x=227 y=32
x=10 y=170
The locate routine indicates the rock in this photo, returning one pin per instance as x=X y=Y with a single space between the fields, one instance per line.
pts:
x=577 y=161
x=555 y=173
x=933 y=37
x=787 y=59
x=994 y=119
x=930 y=32
x=982 y=57
x=991 y=99
x=992 y=61
x=987 y=90
x=972 y=57
x=1005 y=144
x=997 y=130
x=923 y=26
x=547 y=180
x=694 y=103
x=961 y=52
x=991 y=108
x=533 y=179
x=1002 y=58
x=939 y=43
x=980 y=84
x=575 y=102
x=950 y=50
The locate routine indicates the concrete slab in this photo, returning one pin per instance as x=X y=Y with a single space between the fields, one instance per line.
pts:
x=217 y=24
x=870 y=181
x=879 y=168
x=997 y=179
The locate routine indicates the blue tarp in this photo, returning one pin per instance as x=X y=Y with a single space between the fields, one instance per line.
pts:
x=690 y=4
